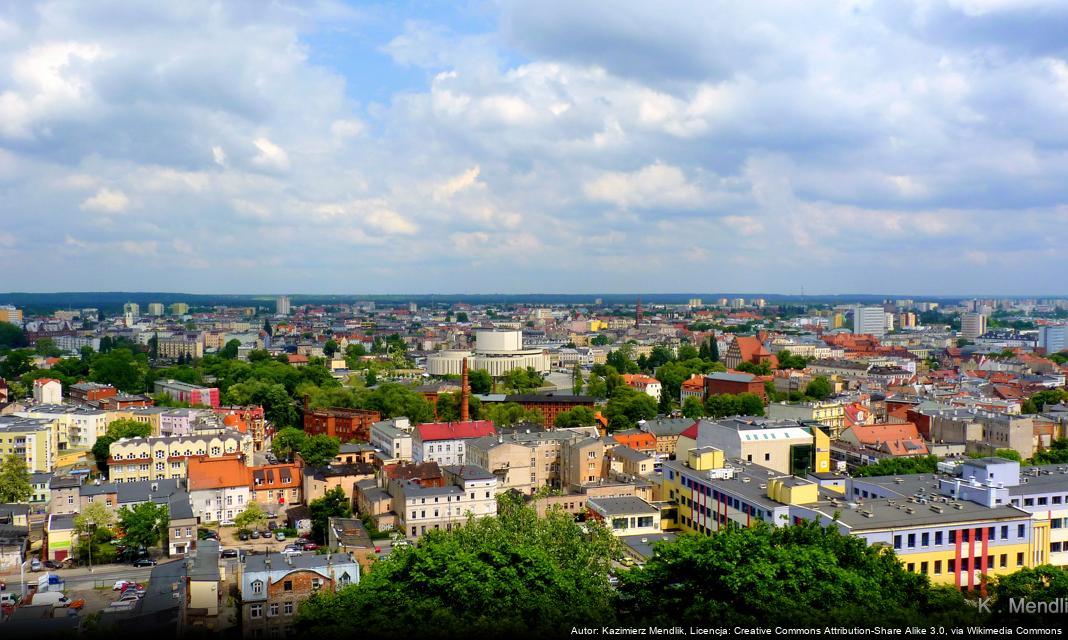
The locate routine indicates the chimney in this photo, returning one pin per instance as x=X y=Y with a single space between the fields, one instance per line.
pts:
x=465 y=392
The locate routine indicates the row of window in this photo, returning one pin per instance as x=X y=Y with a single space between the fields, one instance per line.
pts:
x=256 y=610
x=925 y=537
x=966 y=564
x=1040 y=501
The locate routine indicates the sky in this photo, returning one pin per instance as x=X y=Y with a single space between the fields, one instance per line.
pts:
x=907 y=146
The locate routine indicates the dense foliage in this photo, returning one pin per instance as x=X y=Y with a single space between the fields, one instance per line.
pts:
x=333 y=504
x=898 y=466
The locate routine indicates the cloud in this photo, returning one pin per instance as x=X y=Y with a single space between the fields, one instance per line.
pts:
x=456 y=184
x=106 y=201
x=271 y=156
x=391 y=222
x=655 y=185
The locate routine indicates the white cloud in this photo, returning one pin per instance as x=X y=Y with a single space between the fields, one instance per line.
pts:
x=218 y=155
x=347 y=128
x=458 y=183
x=391 y=222
x=107 y=201
x=271 y=156
x=655 y=185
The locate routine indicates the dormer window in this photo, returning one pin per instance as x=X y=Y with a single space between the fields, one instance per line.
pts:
x=257 y=587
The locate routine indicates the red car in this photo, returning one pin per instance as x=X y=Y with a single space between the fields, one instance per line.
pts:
x=310 y=546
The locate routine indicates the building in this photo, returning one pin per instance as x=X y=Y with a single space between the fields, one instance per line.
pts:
x=748 y=349
x=273 y=585
x=41 y=493
x=344 y=424
x=830 y=413
x=787 y=446
x=891 y=439
x=550 y=404
x=156 y=458
x=425 y=508
x=47 y=391
x=667 y=432
x=496 y=352
x=35 y=440
x=281 y=306
x=179 y=309
x=733 y=383
x=181 y=525
x=643 y=383
x=10 y=315
x=1053 y=338
x=77 y=427
x=90 y=392
x=180 y=346
x=349 y=536
x=250 y=419
x=14 y=536
x=625 y=516
x=276 y=486
x=972 y=325
x=443 y=442
x=869 y=321
x=218 y=487
x=191 y=393
x=393 y=438
x=155 y=309
x=131 y=309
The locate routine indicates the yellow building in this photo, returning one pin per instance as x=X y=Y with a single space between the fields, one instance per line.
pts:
x=783 y=445
x=158 y=458
x=179 y=309
x=34 y=439
x=10 y=314
x=830 y=414
x=181 y=346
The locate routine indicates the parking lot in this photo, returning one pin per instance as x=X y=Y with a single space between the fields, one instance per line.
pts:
x=228 y=539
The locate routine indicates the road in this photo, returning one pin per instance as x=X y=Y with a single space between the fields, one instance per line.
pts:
x=79 y=579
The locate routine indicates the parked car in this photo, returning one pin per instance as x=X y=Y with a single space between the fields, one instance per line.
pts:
x=133 y=586
x=272 y=525
x=144 y=562
x=292 y=551
x=266 y=533
x=255 y=535
x=310 y=546
x=35 y=565
x=243 y=535
x=10 y=599
x=228 y=553
x=121 y=584
x=130 y=595
x=52 y=564
x=279 y=535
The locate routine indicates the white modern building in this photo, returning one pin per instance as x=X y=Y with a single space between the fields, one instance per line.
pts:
x=869 y=320
x=281 y=305
x=47 y=391
x=393 y=438
x=496 y=352
x=972 y=325
x=1053 y=338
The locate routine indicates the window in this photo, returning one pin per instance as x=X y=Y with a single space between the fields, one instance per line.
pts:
x=938 y=567
x=287 y=585
x=1042 y=501
x=159 y=454
x=1019 y=559
x=1005 y=532
x=1004 y=560
x=255 y=611
x=938 y=537
x=910 y=567
x=912 y=540
x=952 y=537
x=1020 y=530
x=273 y=609
x=1029 y=502
x=287 y=608
x=897 y=542
x=767 y=456
x=923 y=567
x=257 y=586
x=951 y=566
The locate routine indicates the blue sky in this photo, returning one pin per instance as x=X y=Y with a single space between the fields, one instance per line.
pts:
x=526 y=146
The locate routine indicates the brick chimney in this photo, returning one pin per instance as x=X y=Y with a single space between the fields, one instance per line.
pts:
x=465 y=392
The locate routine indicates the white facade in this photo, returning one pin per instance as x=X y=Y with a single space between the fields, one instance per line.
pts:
x=442 y=452
x=219 y=505
x=869 y=320
x=282 y=305
x=496 y=352
x=1053 y=338
x=47 y=391
x=972 y=325
x=393 y=438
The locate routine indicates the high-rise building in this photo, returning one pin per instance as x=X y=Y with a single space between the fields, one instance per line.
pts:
x=281 y=305
x=696 y=303
x=131 y=309
x=869 y=320
x=1053 y=338
x=155 y=308
x=10 y=314
x=972 y=325
x=179 y=309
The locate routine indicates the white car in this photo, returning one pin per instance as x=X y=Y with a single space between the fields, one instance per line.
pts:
x=120 y=584
x=292 y=551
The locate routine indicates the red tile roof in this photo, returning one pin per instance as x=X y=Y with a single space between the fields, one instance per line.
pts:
x=217 y=473
x=430 y=431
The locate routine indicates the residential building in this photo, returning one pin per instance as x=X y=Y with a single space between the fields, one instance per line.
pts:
x=667 y=432
x=1053 y=338
x=47 y=391
x=787 y=446
x=972 y=325
x=41 y=493
x=179 y=309
x=550 y=404
x=35 y=440
x=393 y=438
x=443 y=442
x=281 y=306
x=162 y=457
x=131 y=309
x=65 y=494
x=899 y=440
x=276 y=486
x=180 y=346
x=344 y=424
x=78 y=427
x=349 y=536
x=869 y=321
x=582 y=462
x=218 y=487
x=191 y=393
x=273 y=586
x=625 y=516
x=643 y=383
x=630 y=463
x=316 y=481
x=734 y=382
x=248 y=419
x=181 y=525
x=830 y=413
x=205 y=581
x=155 y=309
x=90 y=392
x=425 y=508
x=10 y=314
x=14 y=536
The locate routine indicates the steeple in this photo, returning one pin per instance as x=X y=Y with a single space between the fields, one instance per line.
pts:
x=638 y=312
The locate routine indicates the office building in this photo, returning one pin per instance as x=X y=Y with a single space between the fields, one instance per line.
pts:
x=869 y=320
x=972 y=325
x=281 y=305
x=1053 y=338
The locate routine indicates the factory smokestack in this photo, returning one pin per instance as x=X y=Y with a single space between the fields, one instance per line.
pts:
x=465 y=392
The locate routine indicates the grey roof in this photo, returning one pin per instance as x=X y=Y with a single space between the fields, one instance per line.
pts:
x=180 y=507
x=40 y=478
x=731 y=377
x=11 y=509
x=65 y=482
x=621 y=505
x=645 y=549
x=206 y=563
x=1051 y=478
x=61 y=523
x=667 y=426
x=629 y=454
x=468 y=472
x=258 y=563
x=412 y=490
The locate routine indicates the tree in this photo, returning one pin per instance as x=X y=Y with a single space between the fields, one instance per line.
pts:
x=230 y=349
x=12 y=336
x=723 y=405
x=600 y=340
x=757 y=369
x=480 y=381
x=119 y=367
x=47 y=348
x=319 y=450
x=287 y=442
x=788 y=360
x=448 y=407
x=278 y=407
x=522 y=380
x=576 y=379
x=801 y=575
x=692 y=408
x=819 y=388
x=751 y=404
x=94 y=525
x=461 y=316
x=333 y=504
x=1038 y=401
x=14 y=479
x=898 y=466
x=253 y=517
x=1044 y=583
x=577 y=417
x=1008 y=454
x=1057 y=453
x=117 y=429
x=371 y=379
x=627 y=406
x=267 y=327
x=713 y=350
x=144 y=525
x=622 y=359
x=688 y=352
x=16 y=363
x=492 y=577
x=506 y=414
x=93 y=515
x=330 y=348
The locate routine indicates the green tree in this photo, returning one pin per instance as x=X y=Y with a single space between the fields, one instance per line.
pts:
x=230 y=349
x=820 y=388
x=1038 y=401
x=330 y=348
x=1057 y=453
x=448 y=407
x=319 y=450
x=480 y=381
x=577 y=417
x=371 y=379
x=788 y=360
x=287 y=442
x=622 y=359
x=461 y=316
x=723 y=405
x=693 y=408
x=333 y=504
x=506 y=414
x=16 y=363
x=627 y=406
x=800 y=575
x=751 y=404
x=898 y=466
x=278 y=406
x=522 y=380
x=1008 y=454
x=94 y=515
x=253 y=517
x=761 y=369
x=47 y=348
x=600 y=340
x=713 y=350
x=492 y=577
x=14 y=479
x=12 y=336
x=576 y=379
x=144 y=525
x=119 y=367
x=1044 y=583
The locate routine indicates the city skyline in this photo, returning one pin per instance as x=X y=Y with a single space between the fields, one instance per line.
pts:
x=908 y=148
